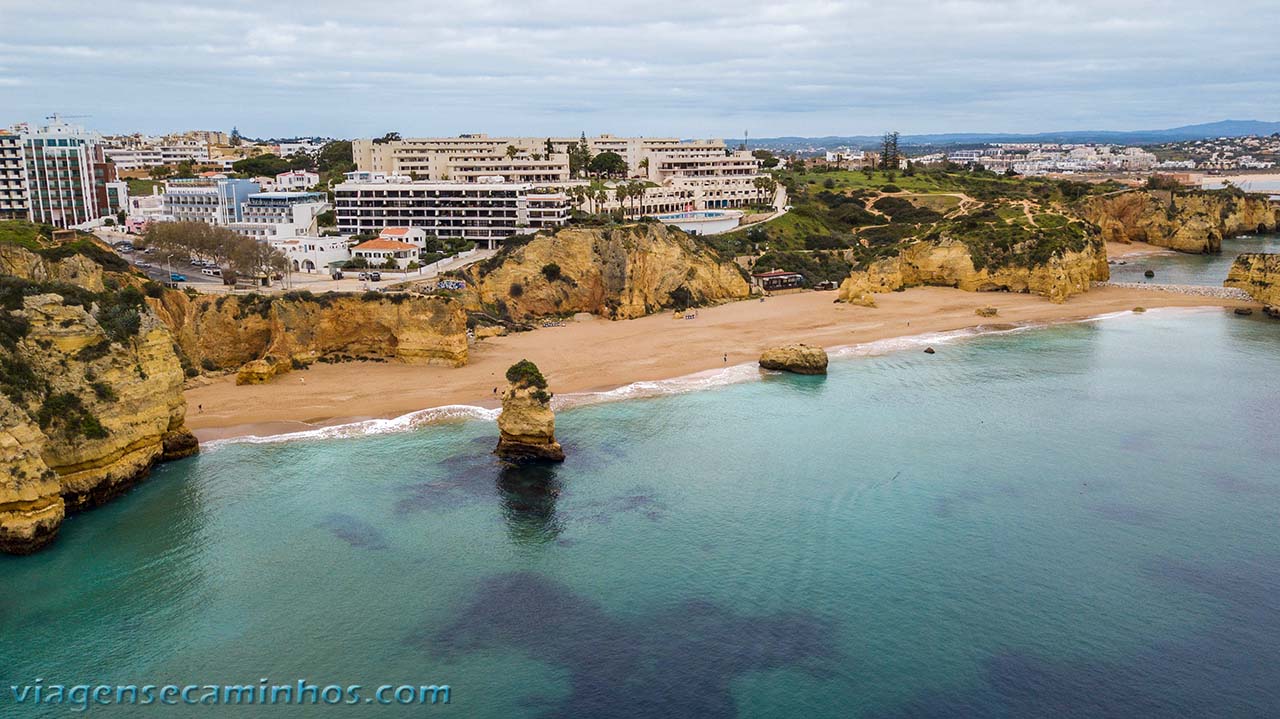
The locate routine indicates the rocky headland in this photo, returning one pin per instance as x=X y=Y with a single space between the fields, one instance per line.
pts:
x=92 y=390
x=948 y=262
x=1258 y=274
x=261 y=337
x=618 y=273
x=1194 y=221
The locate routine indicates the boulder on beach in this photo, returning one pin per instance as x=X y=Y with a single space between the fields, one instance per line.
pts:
x=1244 y=311
x=527 y=426
x=928 y=350
x=796 y=358
x=1149 y=273
x=987 y=311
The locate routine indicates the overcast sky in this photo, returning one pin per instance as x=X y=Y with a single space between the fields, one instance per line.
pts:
x=690 y=68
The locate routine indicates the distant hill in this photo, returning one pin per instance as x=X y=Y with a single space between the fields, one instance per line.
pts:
x=1224 y=128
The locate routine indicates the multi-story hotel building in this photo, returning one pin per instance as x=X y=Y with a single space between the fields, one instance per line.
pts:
x=14 y=203
x=688 y=174
x=485 y=212
x=280 y=214
x=214 y=200
x=66 y=174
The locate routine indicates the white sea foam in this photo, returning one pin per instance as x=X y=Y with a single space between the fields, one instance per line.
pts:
x=698 y=381
x=403 y=423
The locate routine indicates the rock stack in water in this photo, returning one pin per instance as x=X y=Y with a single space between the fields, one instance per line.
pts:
x=797 y=358
x=527 y=425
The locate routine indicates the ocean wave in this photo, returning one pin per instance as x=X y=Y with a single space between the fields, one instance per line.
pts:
x=698 y=381
x=367 y=427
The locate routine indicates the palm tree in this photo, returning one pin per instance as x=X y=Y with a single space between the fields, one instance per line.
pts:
x=622 y=192
x=512 y=152
x=638 y=190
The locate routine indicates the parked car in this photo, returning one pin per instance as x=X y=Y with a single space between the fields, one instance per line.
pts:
x=375 y=276
x=336 y=274
x=363 y=276
x=177 y=277
x=212 y=271
x=140 y=263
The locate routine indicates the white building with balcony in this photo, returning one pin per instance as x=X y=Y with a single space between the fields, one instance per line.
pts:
x=213 y=200
x=485 y=213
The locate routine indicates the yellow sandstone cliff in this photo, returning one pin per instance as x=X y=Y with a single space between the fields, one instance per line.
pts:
x=620 y=273
x=1259 y=275
x=96 y=416
x=85 y=413
x=1194 y=222
x=264 y=336
x=948 y=263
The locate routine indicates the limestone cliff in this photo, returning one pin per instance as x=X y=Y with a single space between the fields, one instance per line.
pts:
x=796 y=358
x=1259 y=275
x=269 y=335
x=1194 y=221
x=950 y=263
x=96 y=413
x=91 y=387
x=617 y=273
x=527 y=426
x=31 y=506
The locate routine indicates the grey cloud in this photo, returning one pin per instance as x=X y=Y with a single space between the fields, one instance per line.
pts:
x=704 y=68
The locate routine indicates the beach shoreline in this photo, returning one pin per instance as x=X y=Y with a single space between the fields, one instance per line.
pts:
x=600 y=356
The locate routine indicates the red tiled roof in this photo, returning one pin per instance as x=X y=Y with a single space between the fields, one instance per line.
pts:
x=395 y=231
x=385 y=245
x=774 y=273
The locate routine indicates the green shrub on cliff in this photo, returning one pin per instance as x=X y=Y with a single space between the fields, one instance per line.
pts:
x=66 y=412
x=526 y=374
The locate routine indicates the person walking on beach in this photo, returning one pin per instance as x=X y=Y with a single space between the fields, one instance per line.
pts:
x=726 y=358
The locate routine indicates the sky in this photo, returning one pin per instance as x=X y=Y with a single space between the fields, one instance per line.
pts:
x=686 y=68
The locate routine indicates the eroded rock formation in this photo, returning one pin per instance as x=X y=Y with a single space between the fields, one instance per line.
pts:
x=796 y=358
x=948 y=263
x=1259 y=275
x=617 y=273
x=1194 y=221
x=85 y=416
x=527 y=426
x=264 y=336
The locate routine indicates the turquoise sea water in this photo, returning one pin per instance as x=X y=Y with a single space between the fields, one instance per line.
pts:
x=1184 y=269
x=1072 y=521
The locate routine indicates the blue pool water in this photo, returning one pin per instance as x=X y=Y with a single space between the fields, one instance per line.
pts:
x=1072 y=521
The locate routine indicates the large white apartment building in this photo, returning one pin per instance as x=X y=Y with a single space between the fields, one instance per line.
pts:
x=687 y=174
x=484 y=212
x=66 y=174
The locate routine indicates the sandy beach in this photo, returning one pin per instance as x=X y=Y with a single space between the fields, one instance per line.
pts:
x=596 y=354
x=1129 y=250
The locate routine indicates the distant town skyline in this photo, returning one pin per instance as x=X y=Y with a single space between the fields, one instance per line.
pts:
x=710 y=69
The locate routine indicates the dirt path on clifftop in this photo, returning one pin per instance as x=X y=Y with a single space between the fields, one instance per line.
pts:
x=600 y=355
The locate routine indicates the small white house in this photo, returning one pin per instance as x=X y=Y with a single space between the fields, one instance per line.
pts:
x=296 y=180
x=377 y=252
x=313 y=254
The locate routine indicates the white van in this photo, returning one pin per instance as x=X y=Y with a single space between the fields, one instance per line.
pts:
x=212 y=271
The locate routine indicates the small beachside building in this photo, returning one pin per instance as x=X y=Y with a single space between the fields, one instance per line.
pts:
x=412 y=235
x=313 y=254
x=775 y=280
x=377 y=252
